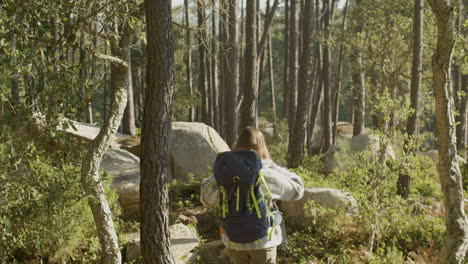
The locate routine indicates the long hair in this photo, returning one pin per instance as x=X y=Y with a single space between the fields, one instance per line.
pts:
x=250 y=138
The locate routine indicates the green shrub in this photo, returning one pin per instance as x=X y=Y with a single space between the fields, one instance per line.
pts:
x=44 y=214
x=184 y=193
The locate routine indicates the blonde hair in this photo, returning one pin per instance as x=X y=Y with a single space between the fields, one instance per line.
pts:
x=251 y=138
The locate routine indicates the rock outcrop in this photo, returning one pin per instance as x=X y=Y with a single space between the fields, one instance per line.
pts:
x=325 y=197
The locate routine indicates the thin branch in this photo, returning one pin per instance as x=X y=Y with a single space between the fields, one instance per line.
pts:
x=184 y=27
x=114 y=60
x=267 y=29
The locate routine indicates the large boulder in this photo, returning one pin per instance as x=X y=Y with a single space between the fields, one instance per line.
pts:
x=192 y=149
x=372 y=142
x=125 y=167
x=183 y=241
x=326 y=197
x=89 y=132
x=340 y=155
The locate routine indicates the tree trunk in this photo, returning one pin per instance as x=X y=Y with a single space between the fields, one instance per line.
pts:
x=293 y=65
x=327 y=126
x=336 y=98
x=188 y=60
x=456 y=244
x=241 y=56
x=214 y=68
x=154 y=200
x=316 y=101
x=461 y=89
x=271 y=74
x=90 y=176
x=223 y=39
x=248 y=107
x=15 y=87
x=230 y=98
x=202 y=54
x=412 y=122
x=286 y=61
x=128 y=122
x=296 y=150
x=358 y=79
x=403 y=185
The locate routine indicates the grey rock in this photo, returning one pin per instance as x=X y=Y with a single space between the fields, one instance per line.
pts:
x=326 y=197
x=193 y=148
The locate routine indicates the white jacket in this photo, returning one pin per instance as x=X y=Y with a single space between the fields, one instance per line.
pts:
x=284 y=185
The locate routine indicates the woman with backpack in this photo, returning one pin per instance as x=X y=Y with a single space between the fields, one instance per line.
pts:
x=245 y=186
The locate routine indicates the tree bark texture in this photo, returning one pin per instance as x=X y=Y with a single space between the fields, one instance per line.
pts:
x=202 y=54
x=230 y=98
x=456 y=242
x=248 y=107
x=317 y=98
x=461 y=87
x=90 y=176
x=223 y=40
x=296 y=146
x=293 y=65
x=214 y=68
x=412 y=122
x=286 y=61
x=327 y=125
x=271 y=74
x=154 y=200
x=128 y=121
x=188 y=60
x=339 y=82
x=358 y=80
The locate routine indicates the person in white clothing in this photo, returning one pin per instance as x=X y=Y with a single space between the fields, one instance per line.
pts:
x=283 y=185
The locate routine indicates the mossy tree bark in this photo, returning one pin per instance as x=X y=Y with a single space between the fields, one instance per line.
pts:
x=456 y=242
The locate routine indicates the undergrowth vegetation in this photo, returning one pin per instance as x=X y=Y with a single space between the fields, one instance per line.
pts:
x=44 y=213
x=387 y=228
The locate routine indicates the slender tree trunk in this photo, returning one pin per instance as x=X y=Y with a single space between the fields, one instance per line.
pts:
x=456 y=242
x=412 y=122
x=240 y=94
x=15 y=87
x=202 y=75
x=271 y=74
x=358 y=79
x=286 y=62
x=296 y=150
x=230 y=99
x=404 y=179
x=188 y=59
x=327 y=126
x=293 y=65
x=223 y=39
x=214 y=68
x=248 y=107
x=336 y=97
x=106 y=86
x=90 y=176
x=154 y=200
x=461 y=89
x=316 y=102
x=128 y=122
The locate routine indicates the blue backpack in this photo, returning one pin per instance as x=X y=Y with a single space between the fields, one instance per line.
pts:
x=244 y=215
